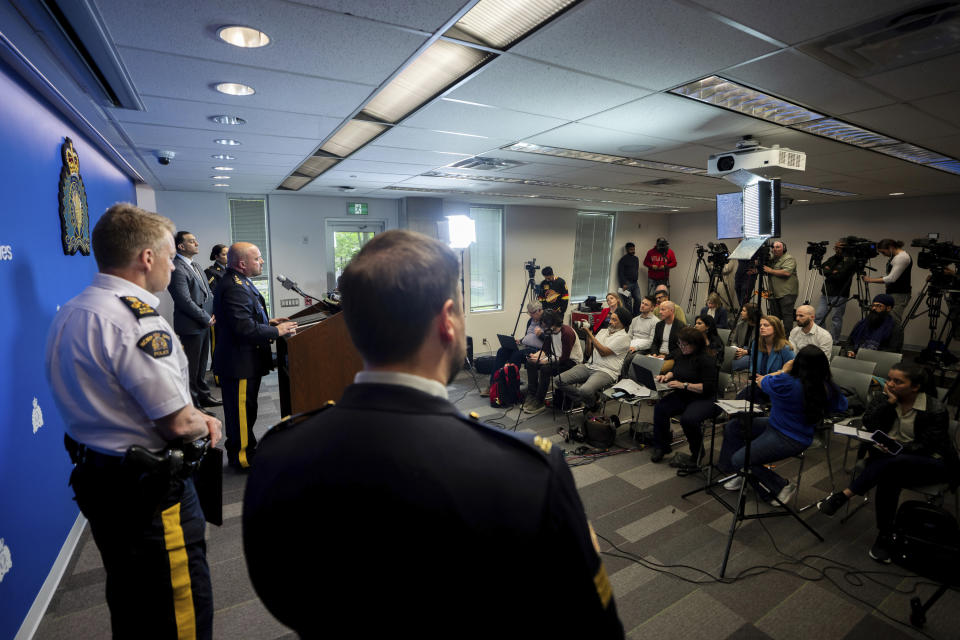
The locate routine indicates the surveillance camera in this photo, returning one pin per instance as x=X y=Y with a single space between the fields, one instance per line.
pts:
x=164 y=157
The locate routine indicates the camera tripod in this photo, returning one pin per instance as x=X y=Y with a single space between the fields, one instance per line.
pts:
x=862 y=296
x=717 y=280
x=531 y=288
x=698 y=262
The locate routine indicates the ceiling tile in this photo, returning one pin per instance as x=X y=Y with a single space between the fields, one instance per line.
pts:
x=666 y=43
x=423 y=139
x=587 y=138
x=485 y=121
x=366 y=166
x=151 y=136
x=920 y=80
x=945 y=106
x=379 y=153
x=428 y=15
x=902 y=121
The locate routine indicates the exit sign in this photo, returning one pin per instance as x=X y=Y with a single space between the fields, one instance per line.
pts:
x=357 y=208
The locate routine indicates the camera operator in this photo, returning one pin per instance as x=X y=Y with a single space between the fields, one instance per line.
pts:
x=838 y=272
x=553 y=292
x=603 y=360
x=784 y=284
x=561 y=351
x=897 y=280
x=659 y=260
x=628 y=274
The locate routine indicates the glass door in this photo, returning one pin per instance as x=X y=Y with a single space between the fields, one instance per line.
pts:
x=344 y=240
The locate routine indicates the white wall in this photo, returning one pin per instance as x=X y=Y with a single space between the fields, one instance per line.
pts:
x=900 y=219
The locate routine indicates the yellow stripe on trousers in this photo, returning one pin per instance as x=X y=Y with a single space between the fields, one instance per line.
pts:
x=213 y=349
x=242 y=413
x=179 y=573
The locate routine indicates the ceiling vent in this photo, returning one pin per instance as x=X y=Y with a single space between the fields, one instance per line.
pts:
x=480 y=163
x=893 y=41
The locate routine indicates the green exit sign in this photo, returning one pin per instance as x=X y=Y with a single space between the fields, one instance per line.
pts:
x=357 y=208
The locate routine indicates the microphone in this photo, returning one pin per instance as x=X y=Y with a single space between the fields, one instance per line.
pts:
x=287 y=282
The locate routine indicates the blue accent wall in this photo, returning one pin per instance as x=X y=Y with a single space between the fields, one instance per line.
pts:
x=36 y=505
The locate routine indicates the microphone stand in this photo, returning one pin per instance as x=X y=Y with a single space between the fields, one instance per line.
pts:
x=290 y=285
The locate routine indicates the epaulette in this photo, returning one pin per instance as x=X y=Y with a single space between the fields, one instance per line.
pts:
x=538 y=442
x=292 y=421
x=138 y=307
x=237 y=279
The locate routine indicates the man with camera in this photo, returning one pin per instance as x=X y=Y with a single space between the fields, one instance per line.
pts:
x=838 y=272
x=602 y=360
x=658 y=261
x=120 y=381
x=553 y=292
x=784 y=284
x=897 y=280
x=628 y=273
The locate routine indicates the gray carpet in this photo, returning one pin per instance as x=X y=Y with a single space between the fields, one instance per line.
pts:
x=841 y=594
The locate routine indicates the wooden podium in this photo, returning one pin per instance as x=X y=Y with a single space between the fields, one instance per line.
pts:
x=316 y=364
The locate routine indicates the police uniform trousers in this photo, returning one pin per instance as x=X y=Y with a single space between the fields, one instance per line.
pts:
x=197 y=347
x=213 y=350
x=239 y=415
x=150 y=536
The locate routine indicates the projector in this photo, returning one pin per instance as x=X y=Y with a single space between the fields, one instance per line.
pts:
x=763 y=161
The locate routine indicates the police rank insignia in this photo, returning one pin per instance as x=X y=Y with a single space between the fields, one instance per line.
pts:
x=139 y=308
x=155 y=344
x=74 y=218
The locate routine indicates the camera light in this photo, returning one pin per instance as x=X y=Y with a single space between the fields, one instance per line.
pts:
x=463 y=231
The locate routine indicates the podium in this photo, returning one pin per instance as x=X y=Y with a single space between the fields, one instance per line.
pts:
x=317 y=363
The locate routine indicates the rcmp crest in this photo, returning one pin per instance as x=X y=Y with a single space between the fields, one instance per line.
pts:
x=74 y=217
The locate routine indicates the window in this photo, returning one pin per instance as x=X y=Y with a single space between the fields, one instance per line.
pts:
x=248 y=223
x=592 y=255
x=486 y=260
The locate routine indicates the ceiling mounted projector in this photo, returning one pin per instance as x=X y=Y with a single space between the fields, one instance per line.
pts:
x=763 y=161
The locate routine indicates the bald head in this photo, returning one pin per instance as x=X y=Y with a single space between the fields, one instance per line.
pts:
x=805 y=315
x=667 y=310
x=245 y=257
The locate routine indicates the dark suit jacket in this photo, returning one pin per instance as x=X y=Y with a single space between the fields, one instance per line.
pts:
x=214 y=272
x=192 y=299
x=658 y=336
x=398 y=470
x=243 y=329
x=721 y=318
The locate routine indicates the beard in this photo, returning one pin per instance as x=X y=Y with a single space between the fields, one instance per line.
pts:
x=876 y=318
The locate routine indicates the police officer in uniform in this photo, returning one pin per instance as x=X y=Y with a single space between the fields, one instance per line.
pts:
x=243 y=356
x=119 y=378
x=216 y=270
x=467 y=531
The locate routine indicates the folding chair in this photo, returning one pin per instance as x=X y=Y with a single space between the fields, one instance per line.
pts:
x=884 y=360
x=851 y=364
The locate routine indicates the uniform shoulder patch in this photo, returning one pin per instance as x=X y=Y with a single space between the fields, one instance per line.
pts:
x=138 y=307
x=543 y=444
x=156 y=344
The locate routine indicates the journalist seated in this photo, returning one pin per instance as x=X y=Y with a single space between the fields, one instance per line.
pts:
x=641 y=331
x=877 y=331
x=800 y=395
x=531 y=341
x=561 y=351
x=742 y=334
x=704 y=324
x=907 y=410
x=614 y=302
x=775 y=352
x=666 y=331
x=693 y=376
x=603 y=359
x=715 y=309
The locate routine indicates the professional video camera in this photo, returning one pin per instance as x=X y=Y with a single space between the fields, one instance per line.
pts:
x=860 y=249
x=531 y=266
x=817 y=248
x=719 y=255
x=936 y=256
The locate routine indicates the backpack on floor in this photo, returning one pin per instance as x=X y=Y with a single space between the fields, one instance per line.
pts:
x=600 y=431
x=505 y=389
x=927 y=541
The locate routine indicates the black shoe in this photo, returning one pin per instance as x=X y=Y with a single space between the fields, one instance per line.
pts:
x=658 y=454
x=881 y=549
x=210 y=401
x=832 y=503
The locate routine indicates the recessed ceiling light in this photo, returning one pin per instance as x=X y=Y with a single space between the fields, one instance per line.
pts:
x=228 y=120
x=243 y=36
x=223 y=168
x=223 y=156
x=235 y=89
x=896 y=193
x=230 y=142
x=802 y=200
x=220 y=184
x=220 y=177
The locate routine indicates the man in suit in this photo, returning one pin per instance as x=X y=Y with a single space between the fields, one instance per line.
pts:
x=471 y=510
x=192 y=315
x=666 y=331
x=243 y=355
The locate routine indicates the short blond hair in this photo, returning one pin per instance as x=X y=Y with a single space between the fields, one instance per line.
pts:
x=125 y=230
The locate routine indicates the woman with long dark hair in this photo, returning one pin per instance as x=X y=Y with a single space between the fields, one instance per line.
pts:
x=705 y=325
x=742 y=334
x=801 y=396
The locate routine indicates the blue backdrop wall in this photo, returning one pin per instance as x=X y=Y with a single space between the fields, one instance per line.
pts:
x=36 y=506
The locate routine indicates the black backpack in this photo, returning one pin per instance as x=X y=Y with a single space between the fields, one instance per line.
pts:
x=505 y=389
x=927 y=541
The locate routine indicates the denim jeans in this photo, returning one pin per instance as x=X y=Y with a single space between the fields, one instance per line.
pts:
x=766 y=445
x=835 y=305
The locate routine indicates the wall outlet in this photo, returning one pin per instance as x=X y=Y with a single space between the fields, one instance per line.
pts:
x=485 y=342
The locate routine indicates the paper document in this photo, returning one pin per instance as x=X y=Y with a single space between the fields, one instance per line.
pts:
x=737 y=406
x=632 y=388
x=852 y=432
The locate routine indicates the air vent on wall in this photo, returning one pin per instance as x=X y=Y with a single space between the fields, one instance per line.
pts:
x=893 y=41
x=480 y=163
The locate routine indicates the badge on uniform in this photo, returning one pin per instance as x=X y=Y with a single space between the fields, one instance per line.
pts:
x=139 y=308
x=156 y=344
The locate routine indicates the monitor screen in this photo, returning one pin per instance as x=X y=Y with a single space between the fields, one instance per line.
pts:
x=729 y=215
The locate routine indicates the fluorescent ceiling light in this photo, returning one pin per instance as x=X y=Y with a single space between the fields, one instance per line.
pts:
x=662 y=166
x=235 y=89
x=220 y=184
x=223 y=168
x=500 y=23
x=826 y=192
x=220 y=177
x=950 y=166
x=912 y=153
x=295 y=183
x=352 y=136
x=439 y=66
x=526 y=147
x=896 y=193
x=736 y=97
x=224 y=119
x=315 y=165
x=842 y=132
x=223 y=156
x=243 y=36
x=230 y=142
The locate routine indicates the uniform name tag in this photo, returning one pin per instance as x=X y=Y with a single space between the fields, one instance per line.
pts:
x=156 y=344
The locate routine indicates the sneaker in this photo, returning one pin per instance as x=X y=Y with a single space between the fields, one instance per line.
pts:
x=733 y=484
x=535 y=408
x=658 y=454
x=880 y=551
x=832 y=503
x=785 y=496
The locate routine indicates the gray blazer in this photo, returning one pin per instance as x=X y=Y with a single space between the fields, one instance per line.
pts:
x=192 y=299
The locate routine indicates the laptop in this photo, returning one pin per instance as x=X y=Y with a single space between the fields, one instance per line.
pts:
x=507 y=342
x=645 y=377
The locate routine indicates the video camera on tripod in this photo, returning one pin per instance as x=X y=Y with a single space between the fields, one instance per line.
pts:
x=719 y=256
x=860 y=249
x=936 y=256
x=531 y=266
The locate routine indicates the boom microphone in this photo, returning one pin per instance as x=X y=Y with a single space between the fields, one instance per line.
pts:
x=287 y=282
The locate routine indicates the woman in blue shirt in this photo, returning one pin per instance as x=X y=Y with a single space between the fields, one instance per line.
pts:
x=801 y=395
x=775 y=352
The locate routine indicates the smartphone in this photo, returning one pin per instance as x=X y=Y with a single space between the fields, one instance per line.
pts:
x=887 y=442
x=619 y=393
